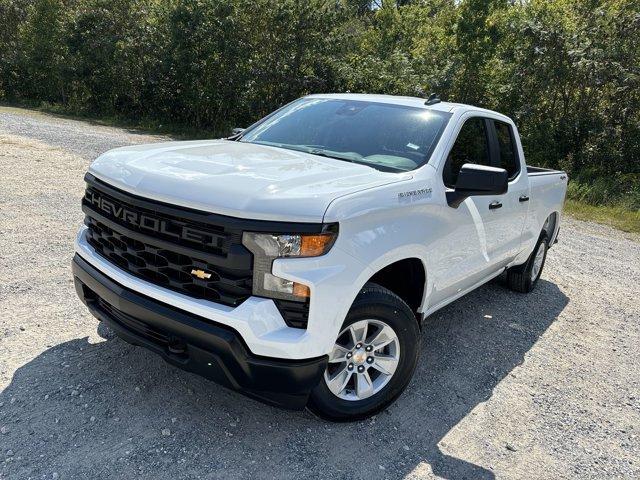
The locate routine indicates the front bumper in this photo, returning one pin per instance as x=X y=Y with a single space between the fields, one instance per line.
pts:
x=334 y=280
x=195 y=344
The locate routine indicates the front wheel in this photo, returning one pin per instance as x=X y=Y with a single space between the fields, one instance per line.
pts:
x=373 y=358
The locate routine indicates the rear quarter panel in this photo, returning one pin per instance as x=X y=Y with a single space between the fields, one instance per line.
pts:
x=548 y=191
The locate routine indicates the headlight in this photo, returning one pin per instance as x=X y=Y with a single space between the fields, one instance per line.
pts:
x=267 y=247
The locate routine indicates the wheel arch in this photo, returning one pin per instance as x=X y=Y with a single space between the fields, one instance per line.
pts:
x=407 y=278
x=550 y=226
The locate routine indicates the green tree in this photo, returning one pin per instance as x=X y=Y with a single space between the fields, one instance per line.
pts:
x=42 y=55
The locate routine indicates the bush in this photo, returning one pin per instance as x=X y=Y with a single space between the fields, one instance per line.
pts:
x=621 y=190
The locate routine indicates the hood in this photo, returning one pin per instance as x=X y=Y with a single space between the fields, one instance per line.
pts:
x=237 y=179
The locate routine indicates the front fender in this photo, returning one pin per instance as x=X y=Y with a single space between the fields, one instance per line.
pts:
x=334 y=281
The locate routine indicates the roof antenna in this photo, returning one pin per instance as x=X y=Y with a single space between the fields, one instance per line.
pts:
x=433 y=99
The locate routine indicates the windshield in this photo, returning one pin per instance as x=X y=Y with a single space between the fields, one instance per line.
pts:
x=384 y=136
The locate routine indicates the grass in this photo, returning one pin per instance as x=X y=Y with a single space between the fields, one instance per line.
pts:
x=609 y=199
x=616 y=216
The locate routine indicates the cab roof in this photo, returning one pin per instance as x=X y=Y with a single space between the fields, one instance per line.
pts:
x=407 y=101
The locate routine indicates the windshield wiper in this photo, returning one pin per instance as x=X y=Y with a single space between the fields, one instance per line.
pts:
x=325 y=153
x=321 y=152
x=350 y=159
x=314 y=150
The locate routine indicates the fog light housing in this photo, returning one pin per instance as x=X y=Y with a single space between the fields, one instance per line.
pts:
x=291 y=289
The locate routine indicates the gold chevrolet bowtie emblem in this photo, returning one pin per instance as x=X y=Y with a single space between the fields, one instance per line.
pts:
x=201 y=274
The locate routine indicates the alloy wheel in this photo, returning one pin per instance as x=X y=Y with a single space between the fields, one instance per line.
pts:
x=363 y=360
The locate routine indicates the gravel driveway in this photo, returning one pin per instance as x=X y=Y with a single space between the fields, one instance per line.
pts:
x=545 y=385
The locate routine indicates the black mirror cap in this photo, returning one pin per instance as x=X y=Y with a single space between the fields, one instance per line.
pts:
x=478 y=180
x=482 y=178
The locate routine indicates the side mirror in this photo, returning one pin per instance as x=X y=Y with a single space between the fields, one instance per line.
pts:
x=478 y=180
x=237 y=131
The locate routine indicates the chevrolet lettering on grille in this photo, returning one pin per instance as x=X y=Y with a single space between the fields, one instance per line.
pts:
x=113 y=209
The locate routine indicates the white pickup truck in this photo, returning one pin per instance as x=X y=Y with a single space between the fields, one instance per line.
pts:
x=296 y=260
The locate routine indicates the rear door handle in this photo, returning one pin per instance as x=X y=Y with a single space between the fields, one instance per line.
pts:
x=494 y=205
x=523 y=198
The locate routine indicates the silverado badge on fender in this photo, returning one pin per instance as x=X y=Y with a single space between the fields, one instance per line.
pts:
x=201 y=274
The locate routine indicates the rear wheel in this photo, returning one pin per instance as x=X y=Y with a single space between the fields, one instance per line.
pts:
x=524 y=278
x=372 y=360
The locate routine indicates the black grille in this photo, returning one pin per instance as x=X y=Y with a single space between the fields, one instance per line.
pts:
x=165 y=250
x=163 y=244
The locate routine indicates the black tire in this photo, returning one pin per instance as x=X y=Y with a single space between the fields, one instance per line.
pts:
x=520 y=278
x=374 y=303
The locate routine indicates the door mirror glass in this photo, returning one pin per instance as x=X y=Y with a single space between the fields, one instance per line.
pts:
x=478 y=180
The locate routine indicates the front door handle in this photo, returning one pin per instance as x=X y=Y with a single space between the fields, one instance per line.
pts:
x=523 y=198
x=494 y=205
